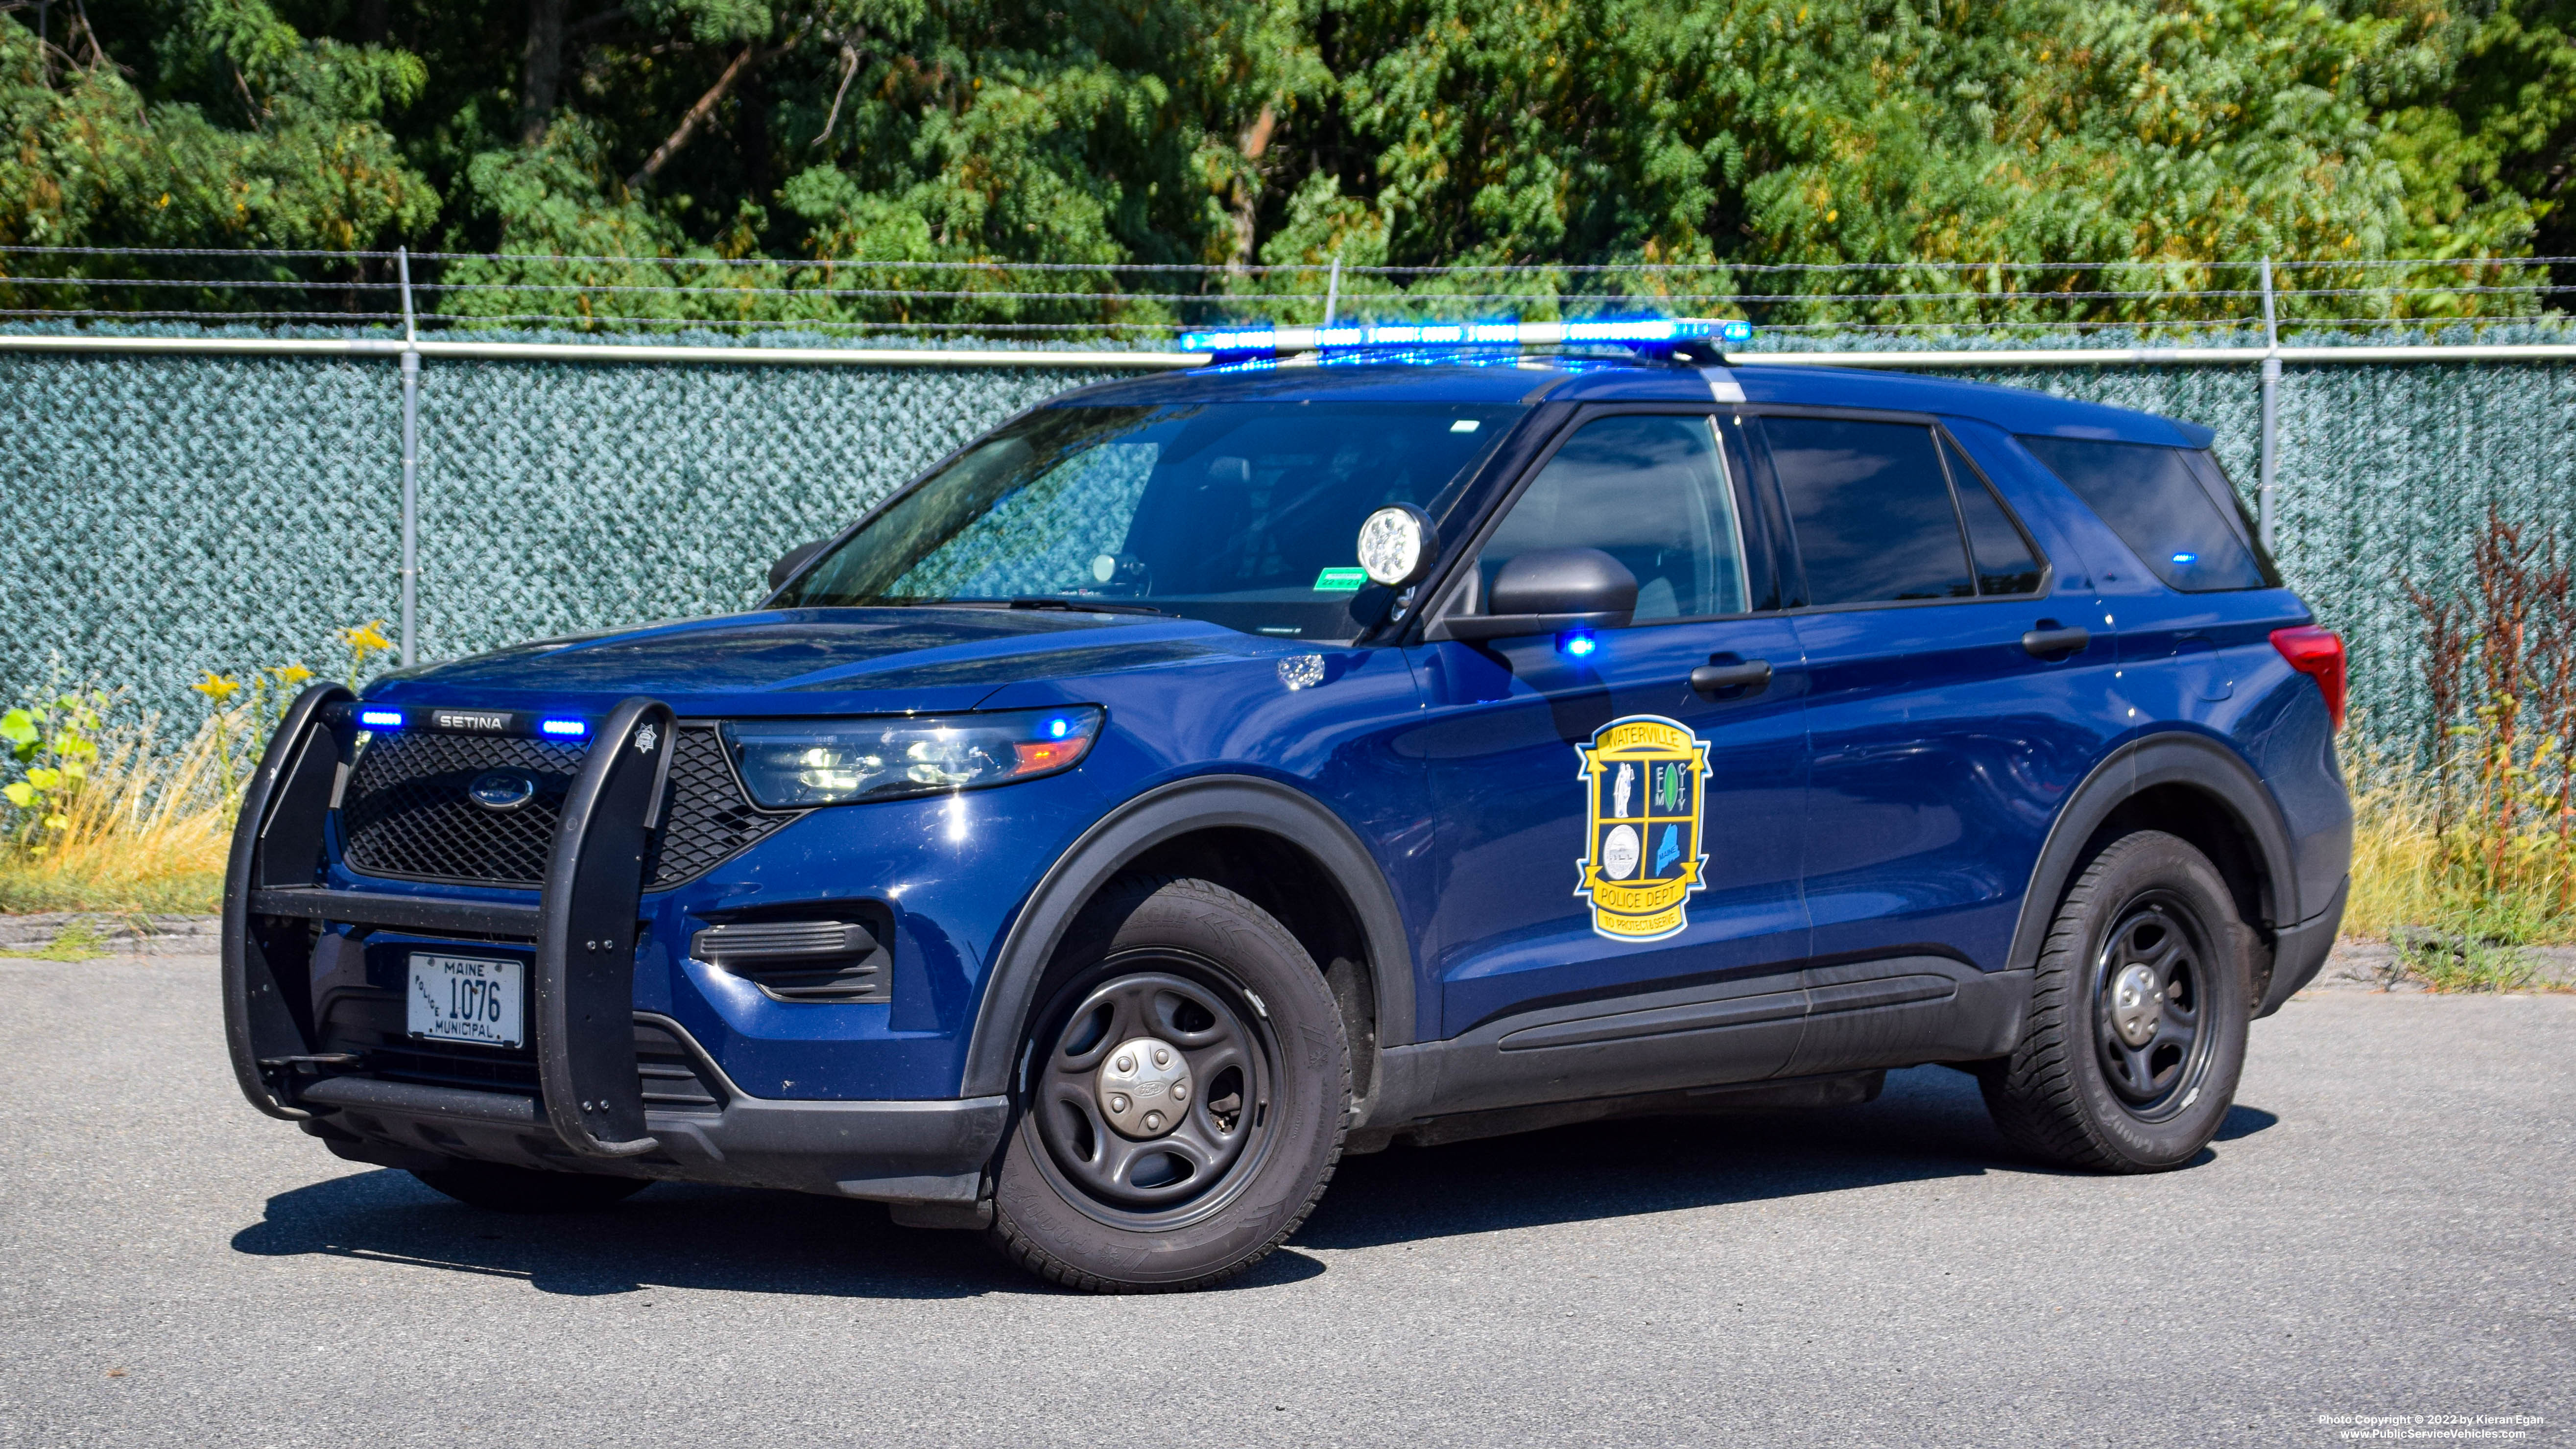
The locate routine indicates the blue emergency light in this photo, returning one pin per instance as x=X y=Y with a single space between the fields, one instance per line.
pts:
x=1234 y=344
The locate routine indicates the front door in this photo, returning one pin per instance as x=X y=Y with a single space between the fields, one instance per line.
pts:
x=1604 y=831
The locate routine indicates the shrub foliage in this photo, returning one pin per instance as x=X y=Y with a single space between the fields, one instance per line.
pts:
x=2160 y=133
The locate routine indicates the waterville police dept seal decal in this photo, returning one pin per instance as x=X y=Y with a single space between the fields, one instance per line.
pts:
x=1643 y=775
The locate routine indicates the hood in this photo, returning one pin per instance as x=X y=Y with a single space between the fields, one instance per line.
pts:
x=795 y=659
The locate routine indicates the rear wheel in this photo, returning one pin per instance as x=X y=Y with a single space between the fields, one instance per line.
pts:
x=524 y=1190
x=1183 y=1092
x=2136 y=1035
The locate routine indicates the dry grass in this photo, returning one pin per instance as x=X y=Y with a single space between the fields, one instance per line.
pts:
x=148 y=833
x=2438 y=897
x=2400 y=869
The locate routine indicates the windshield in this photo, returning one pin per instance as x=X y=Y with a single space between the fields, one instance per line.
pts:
x=1241 y=514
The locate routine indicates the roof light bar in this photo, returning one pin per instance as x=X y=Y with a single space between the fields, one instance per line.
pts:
x=1235 y=343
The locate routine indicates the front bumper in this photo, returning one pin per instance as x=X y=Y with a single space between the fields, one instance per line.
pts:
x=586 y=1107
x=900 y=1152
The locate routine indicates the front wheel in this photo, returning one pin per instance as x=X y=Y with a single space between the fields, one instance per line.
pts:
x=2136 y=1035
x=1182 y=1095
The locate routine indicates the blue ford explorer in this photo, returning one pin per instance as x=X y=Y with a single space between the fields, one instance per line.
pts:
x=1197 y=778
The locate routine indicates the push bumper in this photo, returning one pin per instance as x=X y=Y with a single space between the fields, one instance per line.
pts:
x=588 y=1112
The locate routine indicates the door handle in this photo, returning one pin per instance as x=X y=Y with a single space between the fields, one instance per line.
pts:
x=2048 y=639
x=1713 y=680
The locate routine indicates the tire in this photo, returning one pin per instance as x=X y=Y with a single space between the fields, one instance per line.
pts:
x=504 y=1189
x=1099 y=1191
x=2136 y=1035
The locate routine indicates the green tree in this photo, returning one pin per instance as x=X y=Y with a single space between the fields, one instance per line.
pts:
x=2157 y=137
x=294 y=154
x=841 y=143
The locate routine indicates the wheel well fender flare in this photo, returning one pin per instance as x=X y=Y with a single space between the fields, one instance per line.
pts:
x=1136 y=827
x=2199 y=764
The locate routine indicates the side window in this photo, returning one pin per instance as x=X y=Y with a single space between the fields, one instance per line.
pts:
x=2231 y=504
x=1652 y=492
x=2154 y=500
x=2006 y=563
x=1871 y=509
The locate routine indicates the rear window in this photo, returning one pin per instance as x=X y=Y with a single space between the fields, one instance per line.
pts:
x=1871 y=508
x=2171 y=505
x=1881 y=511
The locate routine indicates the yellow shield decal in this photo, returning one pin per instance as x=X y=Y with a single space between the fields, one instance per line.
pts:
x=1642 y=779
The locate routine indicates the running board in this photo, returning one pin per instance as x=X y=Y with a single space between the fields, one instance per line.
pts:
x=1791 y=1022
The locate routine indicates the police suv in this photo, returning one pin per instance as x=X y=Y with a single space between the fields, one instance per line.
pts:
x=1380 y=736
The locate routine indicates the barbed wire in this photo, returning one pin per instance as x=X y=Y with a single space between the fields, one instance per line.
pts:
x=2145 y=333
x=1286 y=268
x=993 y=294
x=951 y=297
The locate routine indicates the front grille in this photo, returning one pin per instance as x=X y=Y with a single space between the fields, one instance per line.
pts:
x=406 y=814
x=454 y=1064
x=706 y=819
x=672 y=1081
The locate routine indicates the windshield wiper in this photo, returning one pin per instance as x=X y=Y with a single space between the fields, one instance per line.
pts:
x=1077 y=604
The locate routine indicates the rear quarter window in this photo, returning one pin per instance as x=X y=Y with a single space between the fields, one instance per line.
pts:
x=2159 y=503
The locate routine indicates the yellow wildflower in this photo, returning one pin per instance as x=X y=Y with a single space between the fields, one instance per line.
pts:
x=367 y=638
x=291 y=675
x=217 y=687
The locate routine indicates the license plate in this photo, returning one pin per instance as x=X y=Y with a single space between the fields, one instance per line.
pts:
x=468 y=998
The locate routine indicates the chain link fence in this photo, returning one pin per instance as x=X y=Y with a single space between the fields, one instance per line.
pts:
x=164 y=516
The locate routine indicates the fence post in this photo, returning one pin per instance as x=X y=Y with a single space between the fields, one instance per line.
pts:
x=1333 y=289
x=2271 y=413
x=410 y=461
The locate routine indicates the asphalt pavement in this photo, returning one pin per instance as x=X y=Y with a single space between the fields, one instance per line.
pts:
x=2386 y=1228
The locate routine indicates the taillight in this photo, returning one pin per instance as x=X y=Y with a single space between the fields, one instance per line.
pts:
x=2318 y=654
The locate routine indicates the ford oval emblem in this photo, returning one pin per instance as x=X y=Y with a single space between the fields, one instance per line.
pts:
x=502 y=789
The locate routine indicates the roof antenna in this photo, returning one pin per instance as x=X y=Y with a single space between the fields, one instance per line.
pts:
x=1333 y=290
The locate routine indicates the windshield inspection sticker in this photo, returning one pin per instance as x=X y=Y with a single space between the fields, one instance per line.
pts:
x=1340 y=581
x=1642 y=777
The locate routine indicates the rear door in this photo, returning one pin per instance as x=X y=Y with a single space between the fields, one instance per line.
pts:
x=1604 y=831
x=2199 y=604
x=1954 y=697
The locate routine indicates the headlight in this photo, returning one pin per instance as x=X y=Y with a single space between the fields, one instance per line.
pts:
x=883 y=757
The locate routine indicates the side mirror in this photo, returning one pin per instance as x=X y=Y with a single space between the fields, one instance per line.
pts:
x=1548 y=591
x=792 y=560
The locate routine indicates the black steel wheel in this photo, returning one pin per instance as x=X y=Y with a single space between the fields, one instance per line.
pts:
x=2136 y=1034
x=1182 y=1094
x=2149 y=986
x=1154 y=1088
